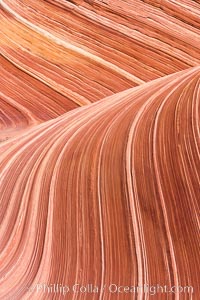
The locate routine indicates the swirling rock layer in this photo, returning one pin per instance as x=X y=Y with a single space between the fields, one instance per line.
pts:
x=99 y=152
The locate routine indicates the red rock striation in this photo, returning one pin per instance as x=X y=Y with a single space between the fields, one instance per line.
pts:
x=99 y=149
x=86 y=50
x=107 y=193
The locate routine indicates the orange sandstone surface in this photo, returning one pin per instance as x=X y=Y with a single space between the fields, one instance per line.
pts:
x=99 y=149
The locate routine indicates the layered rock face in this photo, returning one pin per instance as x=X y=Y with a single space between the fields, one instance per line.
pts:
x=99 y=149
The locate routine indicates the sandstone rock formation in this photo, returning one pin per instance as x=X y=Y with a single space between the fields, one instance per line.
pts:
x=100 y=148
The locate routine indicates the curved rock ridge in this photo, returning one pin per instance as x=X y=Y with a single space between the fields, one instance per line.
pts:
x=58 y=55
x=105 y=194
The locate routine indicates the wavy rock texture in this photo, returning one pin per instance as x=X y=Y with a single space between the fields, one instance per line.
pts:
x=99 y=152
